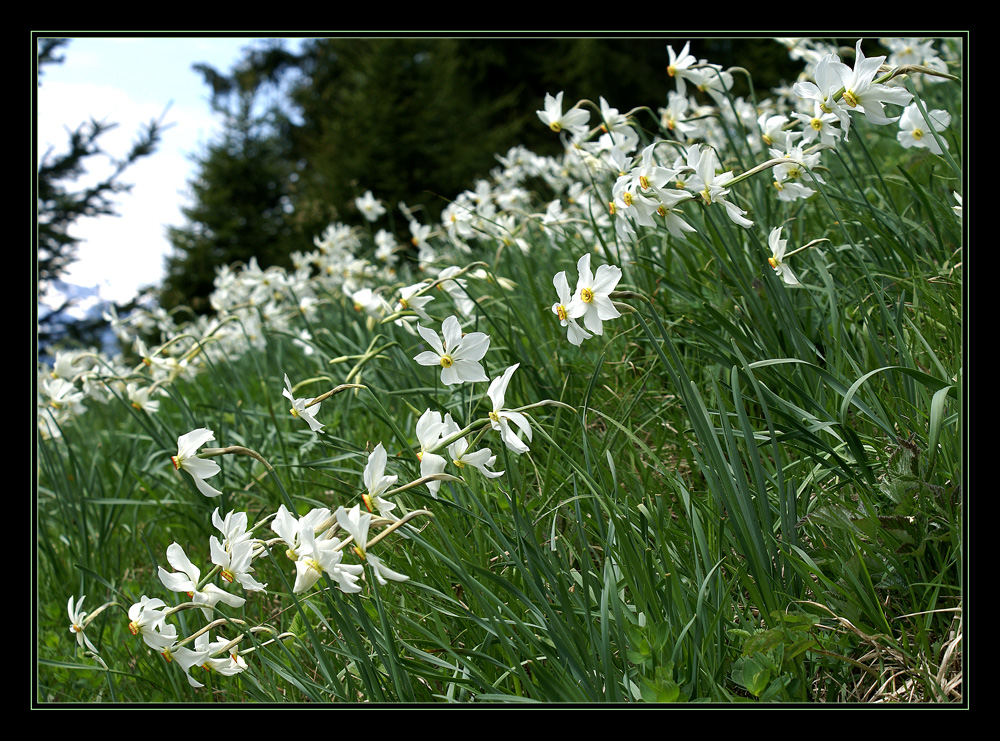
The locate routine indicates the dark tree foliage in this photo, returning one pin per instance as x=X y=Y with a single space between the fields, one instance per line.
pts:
x=241 y=193
x=414 y=120
x=60 y=204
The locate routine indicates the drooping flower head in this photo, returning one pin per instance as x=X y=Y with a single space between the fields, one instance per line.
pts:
x=199 y=468
x=574 y=332
x=300 y=408
x=376 y=482
x=501 y=418
x=776 y=260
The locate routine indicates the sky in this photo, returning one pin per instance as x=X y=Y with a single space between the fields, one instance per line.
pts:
x=130 y=82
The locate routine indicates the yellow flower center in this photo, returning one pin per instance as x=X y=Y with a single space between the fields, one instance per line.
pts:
x=176 y=461
x=495 y=417
x=561 y=312
x=227 y=575
x=367 y=500
x=294 y=412
x=778 y=185
x=612 y=208
x=459 y=463
x=313 y=564
x=292 y=555
x=627 y=198
x=661 y=210
x=767 y=140
x=774 y=262
x=671 y=70
x=644 y=182
x=133 y=628
x=446 y=361
x=918 y=134
x=816 y=123
x=586 y=295
x=555 y=126
x=850 y=99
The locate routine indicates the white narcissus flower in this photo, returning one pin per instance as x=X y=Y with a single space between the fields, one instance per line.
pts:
x=819 y=125
x=669 y=198
x=867 y=96
x=680 y=65
x=383 y=574
x=146 y=619
x=139 y=398
x=356 y=523
x=76 y=616
x=710 y=186
x=574 y=332
x=914 y=130
x=829 y=74
x=235 y=560
x=482 y=459
x=185 y=579
x=673 y=117
x=188 y=658
x=376 y=482
x=370 y=208
x=288 y=527
x=410 y=299
x=63 y=395
x=228 y=665
x=457 y=355
x=618 y=133
x=318 y=557
x=778 y=246
x=313 y=557
x=456 y=289
x=573 y=121
x=299 y=408
x=501 y=418
x=199 y=468
x=429 y=429
x=233 y=528
x=591 y=300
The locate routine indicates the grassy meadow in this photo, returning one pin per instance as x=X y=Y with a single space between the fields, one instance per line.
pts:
x=723 y=452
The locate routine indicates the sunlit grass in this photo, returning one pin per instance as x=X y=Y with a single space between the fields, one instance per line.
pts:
x=742 y=491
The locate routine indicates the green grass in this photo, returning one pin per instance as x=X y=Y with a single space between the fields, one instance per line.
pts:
x=747 y=492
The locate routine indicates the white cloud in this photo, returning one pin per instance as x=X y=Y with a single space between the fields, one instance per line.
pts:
x=121 y=254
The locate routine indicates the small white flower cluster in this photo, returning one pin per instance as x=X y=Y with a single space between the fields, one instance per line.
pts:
x=812 y=116
x=591 y=301
x=316 y=542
